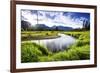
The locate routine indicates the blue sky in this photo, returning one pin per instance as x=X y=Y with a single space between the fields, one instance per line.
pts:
x=58 y=18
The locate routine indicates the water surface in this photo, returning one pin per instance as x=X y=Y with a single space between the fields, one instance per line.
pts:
x=56 y=44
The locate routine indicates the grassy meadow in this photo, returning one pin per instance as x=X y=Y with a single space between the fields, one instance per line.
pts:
x=32 y=52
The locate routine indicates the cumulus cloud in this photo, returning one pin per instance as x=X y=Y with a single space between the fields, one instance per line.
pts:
x=51 y=18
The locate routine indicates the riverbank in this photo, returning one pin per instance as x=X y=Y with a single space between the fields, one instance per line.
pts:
x=38 y=35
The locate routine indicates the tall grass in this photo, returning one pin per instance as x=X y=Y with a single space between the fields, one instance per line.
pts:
x=31 y=51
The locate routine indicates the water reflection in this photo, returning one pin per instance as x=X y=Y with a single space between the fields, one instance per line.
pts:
x=56 y=44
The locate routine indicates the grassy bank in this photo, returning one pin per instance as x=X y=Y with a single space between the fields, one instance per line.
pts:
x=35 y=35
x=32 y=52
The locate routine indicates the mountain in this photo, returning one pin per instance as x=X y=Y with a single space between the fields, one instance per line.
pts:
x=42 y=27
x=25 y=25
x=61 y=28
x=45 y=27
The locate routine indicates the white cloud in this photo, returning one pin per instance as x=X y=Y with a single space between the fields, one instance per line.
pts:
x=32 y=18
x=53 y=18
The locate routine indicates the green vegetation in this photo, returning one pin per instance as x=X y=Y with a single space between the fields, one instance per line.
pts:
x=32 y=52
x=35 y=35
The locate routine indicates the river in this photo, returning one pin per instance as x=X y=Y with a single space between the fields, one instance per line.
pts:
x=57 y=44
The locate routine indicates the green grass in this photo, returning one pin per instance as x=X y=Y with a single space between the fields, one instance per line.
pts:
x=33 y=35
x=32 y=52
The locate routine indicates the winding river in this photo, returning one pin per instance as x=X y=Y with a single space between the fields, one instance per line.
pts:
x=56 y=44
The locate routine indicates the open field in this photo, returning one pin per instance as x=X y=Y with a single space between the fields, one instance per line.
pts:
x=32 y=52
